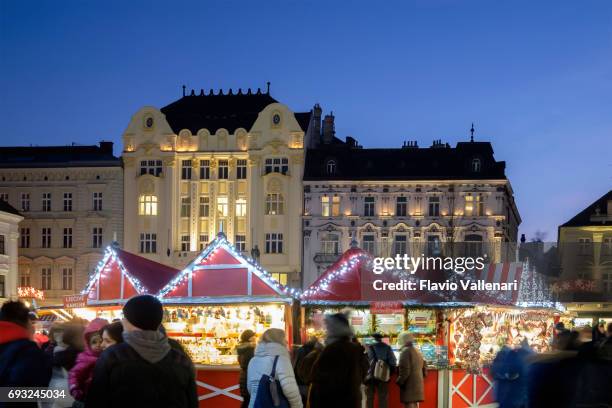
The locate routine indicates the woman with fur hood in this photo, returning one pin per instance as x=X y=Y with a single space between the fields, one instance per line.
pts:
x=273 y=343
x=341 y=368
x=80 y=376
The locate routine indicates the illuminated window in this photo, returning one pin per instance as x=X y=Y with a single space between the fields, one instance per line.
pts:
x=222 y=207
x=241 y=207
x=325 y=206
x=274 y=204
x=147 y=205
x=280 y=277
x=185 y=207
x=330 y=206
x=335 y=206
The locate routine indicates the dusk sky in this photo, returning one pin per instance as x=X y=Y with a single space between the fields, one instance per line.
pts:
x=534 y=76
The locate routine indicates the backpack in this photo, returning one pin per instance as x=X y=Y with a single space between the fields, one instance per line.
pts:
x=269 y=391
x=379 y=369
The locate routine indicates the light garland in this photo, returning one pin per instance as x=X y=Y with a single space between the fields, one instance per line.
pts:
x=30 y=292
x=221 y=242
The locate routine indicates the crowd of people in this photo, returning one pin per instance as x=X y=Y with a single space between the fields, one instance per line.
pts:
x=132 y=362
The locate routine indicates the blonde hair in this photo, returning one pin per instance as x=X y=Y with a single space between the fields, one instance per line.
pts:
x=274 y=336
x=404 y=338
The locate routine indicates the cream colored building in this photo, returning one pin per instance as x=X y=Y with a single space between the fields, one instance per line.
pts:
x=212 y=162
x=71 y=201
x=9 y=234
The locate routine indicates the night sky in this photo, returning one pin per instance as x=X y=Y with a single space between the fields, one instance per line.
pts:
x=534 y=76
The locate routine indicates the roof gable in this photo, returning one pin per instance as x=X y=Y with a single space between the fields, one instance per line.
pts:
x=586 y=216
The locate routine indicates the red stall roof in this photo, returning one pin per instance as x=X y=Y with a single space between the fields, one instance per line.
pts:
x=350 y=281
x=121 y=275
x=221 y=274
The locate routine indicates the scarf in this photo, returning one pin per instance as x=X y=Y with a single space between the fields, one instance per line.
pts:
x=151 y=345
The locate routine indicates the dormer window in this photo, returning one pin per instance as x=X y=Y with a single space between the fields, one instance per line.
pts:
x=331 y=167
x=476 y=166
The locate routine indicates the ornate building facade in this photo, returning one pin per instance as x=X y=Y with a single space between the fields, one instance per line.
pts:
x=9 y=234
x=409 y=200
x=214 y=162
x=71 y=201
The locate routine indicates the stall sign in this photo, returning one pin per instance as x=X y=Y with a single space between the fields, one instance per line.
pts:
x=356 y=320
x=386 y=307
x=75 y=301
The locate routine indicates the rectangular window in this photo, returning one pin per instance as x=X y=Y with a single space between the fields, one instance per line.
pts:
x=280 y=277
x=2 y=245
x=434 y=206
x=368 y=207
x=607 y=247
x=400 y=245
x=277 y=165
x=241 y=169
x=369 y=244
x=479 y=205
x=24 y=237
x=222 y=207
x=469 y=205
x=203 y=241
x=330 y=208
x=148 y=243
x=67 y=279
x=24 y=279
x=474 y=205
x=241 y=207
x=223 y=170
x=335 y=206
x=274 y=204
x=204 y=169
x=97 y=201
x=240 y=243
x=329 y=244
x=46 y=237
x=147 y=205
x=2 y=286
x=25 y=201
x=584 y=246
x=325 y=206
x=204 y=206
x=186 y=169
x=67 y=202
x=46 y=202
x=274 y=243
x=401 y=207
x=152 y=167
x=45 y=275
x=185 y=207
x=4 y=197
x=67 y=237
x=185 y=244
x=607 y=282
x=96 y=237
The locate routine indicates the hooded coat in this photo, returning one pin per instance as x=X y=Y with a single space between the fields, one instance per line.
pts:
x=261 y=364
x=143 y=371
x=80 y=376
x=410 y=378
x=245 y=353
x=22 y=363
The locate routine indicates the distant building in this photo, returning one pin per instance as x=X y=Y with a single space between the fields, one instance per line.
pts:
x=9 y=234
x=72 y=200
x=585 y=250
x=212 y=162
x=405 y=200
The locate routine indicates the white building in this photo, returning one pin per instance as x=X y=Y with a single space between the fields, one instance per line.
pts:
x=408 y=200
x=9 y=234
x=72 y=200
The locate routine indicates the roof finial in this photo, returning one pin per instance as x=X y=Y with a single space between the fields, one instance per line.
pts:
x=268 y=87
x=184 y=87
x=472 y=133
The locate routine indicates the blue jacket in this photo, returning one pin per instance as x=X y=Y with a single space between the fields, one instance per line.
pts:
x=384 y=352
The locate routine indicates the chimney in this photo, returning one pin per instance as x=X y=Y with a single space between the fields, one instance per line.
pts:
x=351 y=142
x=316 y=123
x=328 y=129
x=106 y=147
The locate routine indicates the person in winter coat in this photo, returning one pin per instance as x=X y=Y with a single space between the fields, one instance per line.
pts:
x=411 y=372
x=245 y=351
x=80 y=376
x=144 y=370
x=509 y=370
x=273 y=343
x=341 y=368
x=112 y=334
x=22 y=363
x=305 y=358
x=379 y=351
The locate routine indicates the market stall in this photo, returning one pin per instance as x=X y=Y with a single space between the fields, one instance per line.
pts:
x=208 y=305
x=458 y=332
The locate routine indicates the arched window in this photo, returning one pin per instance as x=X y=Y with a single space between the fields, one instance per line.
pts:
x=476 y=165
x=274 y=204
x=331 y=167
x=147 y=205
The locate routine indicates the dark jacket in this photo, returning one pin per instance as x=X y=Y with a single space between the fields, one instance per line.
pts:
x=245 y=354
x=381 y=351
x=65 y=358
x=22 y=363
x=337 y=375
x=122 y=378
x=305 y=358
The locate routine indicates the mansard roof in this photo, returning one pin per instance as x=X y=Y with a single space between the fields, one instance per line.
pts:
x=439 y=162
x=58 y=156
x=229 y=110
x=7 y=208
x=594 y=214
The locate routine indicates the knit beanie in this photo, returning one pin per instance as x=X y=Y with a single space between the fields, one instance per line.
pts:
x=144 y=312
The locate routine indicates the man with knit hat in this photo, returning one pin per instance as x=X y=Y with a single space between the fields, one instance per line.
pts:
x=143 y=370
